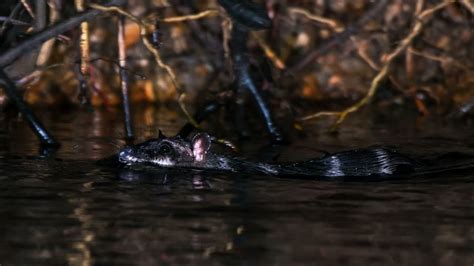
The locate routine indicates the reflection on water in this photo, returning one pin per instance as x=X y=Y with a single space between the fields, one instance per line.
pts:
x=65 y=209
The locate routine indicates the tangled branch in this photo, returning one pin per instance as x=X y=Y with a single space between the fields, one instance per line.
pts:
x=420 y=21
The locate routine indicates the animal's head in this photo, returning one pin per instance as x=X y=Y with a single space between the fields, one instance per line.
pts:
x=168 y=152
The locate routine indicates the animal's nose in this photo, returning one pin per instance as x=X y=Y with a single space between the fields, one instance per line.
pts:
x=125 y=152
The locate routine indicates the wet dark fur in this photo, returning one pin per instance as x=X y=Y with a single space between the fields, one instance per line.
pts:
x=177 y=152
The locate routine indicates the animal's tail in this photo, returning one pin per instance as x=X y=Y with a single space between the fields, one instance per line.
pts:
x=370 y=162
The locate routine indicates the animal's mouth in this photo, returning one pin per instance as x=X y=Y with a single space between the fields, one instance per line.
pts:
x=162 y=162
x=126 y=156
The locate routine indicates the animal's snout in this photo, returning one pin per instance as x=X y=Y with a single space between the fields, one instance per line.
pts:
x=125 y=154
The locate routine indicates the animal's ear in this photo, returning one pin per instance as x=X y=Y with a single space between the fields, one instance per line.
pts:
x=160 y=134
x=201 y=145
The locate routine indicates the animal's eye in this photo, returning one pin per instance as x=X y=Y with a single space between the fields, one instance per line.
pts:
x=165 y=149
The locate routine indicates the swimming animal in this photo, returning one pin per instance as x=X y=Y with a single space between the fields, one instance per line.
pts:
x=178 y=152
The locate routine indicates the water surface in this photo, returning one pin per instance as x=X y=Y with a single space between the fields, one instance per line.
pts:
x=65 y=209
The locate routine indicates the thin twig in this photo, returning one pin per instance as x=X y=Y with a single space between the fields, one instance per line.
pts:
x=14 y=21
x=28 y=8
x=203 y=14
x=11 y=16
x=363 y=54
x=437 y=58
x=112 y=61
x=269 y=52
x=332 y=23
x=319 y=114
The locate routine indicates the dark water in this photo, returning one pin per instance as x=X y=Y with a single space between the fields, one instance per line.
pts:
x=67 y=210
